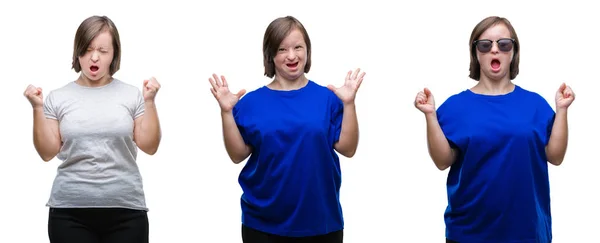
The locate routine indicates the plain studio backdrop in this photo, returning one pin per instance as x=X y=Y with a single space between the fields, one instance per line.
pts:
x=391 y=190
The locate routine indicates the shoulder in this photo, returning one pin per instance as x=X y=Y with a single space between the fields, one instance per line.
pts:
x=454 y=101
x=322 y=91
x=532 y=97
x=125 y=87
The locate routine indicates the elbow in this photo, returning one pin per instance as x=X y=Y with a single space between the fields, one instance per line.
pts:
x=348 y=153
x=555 y=156
x=442 y=166
x=346 y=150
x=48 y=155
x=47 y=158
x=148 y=149
x=555 y=161
x=236 y=159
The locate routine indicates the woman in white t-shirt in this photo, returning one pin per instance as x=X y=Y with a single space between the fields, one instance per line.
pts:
x=95 y=125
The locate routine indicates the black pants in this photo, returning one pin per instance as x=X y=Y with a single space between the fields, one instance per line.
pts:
x=97 y=225
x=451 y=241
x=250 y=235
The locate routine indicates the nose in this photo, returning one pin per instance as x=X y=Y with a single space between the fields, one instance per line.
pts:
x=495 y=48
x=291 y=55
x=95 y=56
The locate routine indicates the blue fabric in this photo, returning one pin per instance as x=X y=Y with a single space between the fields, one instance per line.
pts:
x=498 y=189
x=291 y=182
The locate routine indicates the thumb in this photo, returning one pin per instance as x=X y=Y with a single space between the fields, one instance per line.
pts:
x=427 y=92
x=39 y=91
x=332 y=88
x=562 y=87
x=240 y=93
x=145 y=82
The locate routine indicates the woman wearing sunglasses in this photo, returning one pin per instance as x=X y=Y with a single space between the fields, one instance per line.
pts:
x=496 y=138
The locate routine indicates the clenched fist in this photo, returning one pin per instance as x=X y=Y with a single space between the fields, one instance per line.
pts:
x=424 y=101
x=564 y=96
x=150 y=89
x=34 y=95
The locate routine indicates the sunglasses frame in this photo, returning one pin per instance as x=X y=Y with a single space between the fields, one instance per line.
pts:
x=475 y=42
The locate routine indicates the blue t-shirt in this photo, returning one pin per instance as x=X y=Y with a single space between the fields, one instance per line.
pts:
x=498 y=189
x=291 y=182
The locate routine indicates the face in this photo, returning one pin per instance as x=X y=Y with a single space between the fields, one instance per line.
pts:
x=95 y=62
x=495 y=50
x=291 y=56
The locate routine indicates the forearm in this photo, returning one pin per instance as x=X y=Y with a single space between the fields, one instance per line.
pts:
x=348 y=142
x=150 y=132
x=439 y=148
x=236 y=148
x=44 y=139
x=557 y=146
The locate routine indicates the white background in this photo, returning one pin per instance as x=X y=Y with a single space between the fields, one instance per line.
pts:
x=391 y=191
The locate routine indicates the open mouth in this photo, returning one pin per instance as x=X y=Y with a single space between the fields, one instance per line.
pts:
x=495 y=64
x=94 y=68
x=292 y=65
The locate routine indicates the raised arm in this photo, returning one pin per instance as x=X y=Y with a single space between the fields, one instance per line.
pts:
x=236 y=148
x=557 y=145
x=46 y=135
x=147 y=132
x=437 y=144
x=348 y=142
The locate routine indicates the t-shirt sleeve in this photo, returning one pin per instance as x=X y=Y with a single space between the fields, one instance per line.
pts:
x=139 y=105
x=337 y=115
x=446 y=117
x=548 y=116
x=50 y=110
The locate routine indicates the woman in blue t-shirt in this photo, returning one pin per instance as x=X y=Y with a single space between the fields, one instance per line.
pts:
x=291 y=129
x=497 y=139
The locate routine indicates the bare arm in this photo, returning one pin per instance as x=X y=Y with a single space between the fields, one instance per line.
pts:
x=236 y=148
x=146 y=132
x=348 y=141
x=46 y=135
x=439 y=148
x=557 y=146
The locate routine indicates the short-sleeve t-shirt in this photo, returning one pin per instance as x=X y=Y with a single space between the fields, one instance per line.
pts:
x=291 y=182
x=98 y=154
x=498 y=189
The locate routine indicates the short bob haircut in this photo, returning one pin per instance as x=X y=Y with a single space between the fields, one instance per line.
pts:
x=87 y=31
x=274 y=35
x=475 y=68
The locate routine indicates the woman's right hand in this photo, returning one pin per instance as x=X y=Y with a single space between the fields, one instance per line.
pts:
x=34 y=95
x=220 y=91
x=424 y=102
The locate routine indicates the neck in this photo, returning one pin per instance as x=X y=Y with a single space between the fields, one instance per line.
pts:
x=493 y=87
x=280 y=83
x=85 y=81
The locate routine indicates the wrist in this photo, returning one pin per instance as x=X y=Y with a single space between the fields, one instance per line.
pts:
x=149 y=102
x=431 y=116
x=561 y=111
x=226 y=113
x=38 y=108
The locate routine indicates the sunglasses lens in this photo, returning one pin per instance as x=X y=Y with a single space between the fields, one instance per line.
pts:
x=484 y=46
x=505 y=45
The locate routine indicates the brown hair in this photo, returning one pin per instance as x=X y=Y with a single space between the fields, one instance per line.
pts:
x=87 y=31
x=274 y=35
x=475 y=69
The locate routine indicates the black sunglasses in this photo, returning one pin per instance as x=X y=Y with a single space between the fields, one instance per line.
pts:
x=504 y=45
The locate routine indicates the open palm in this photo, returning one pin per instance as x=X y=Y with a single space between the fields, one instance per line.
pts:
x=220 y=91
x=347 y=92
